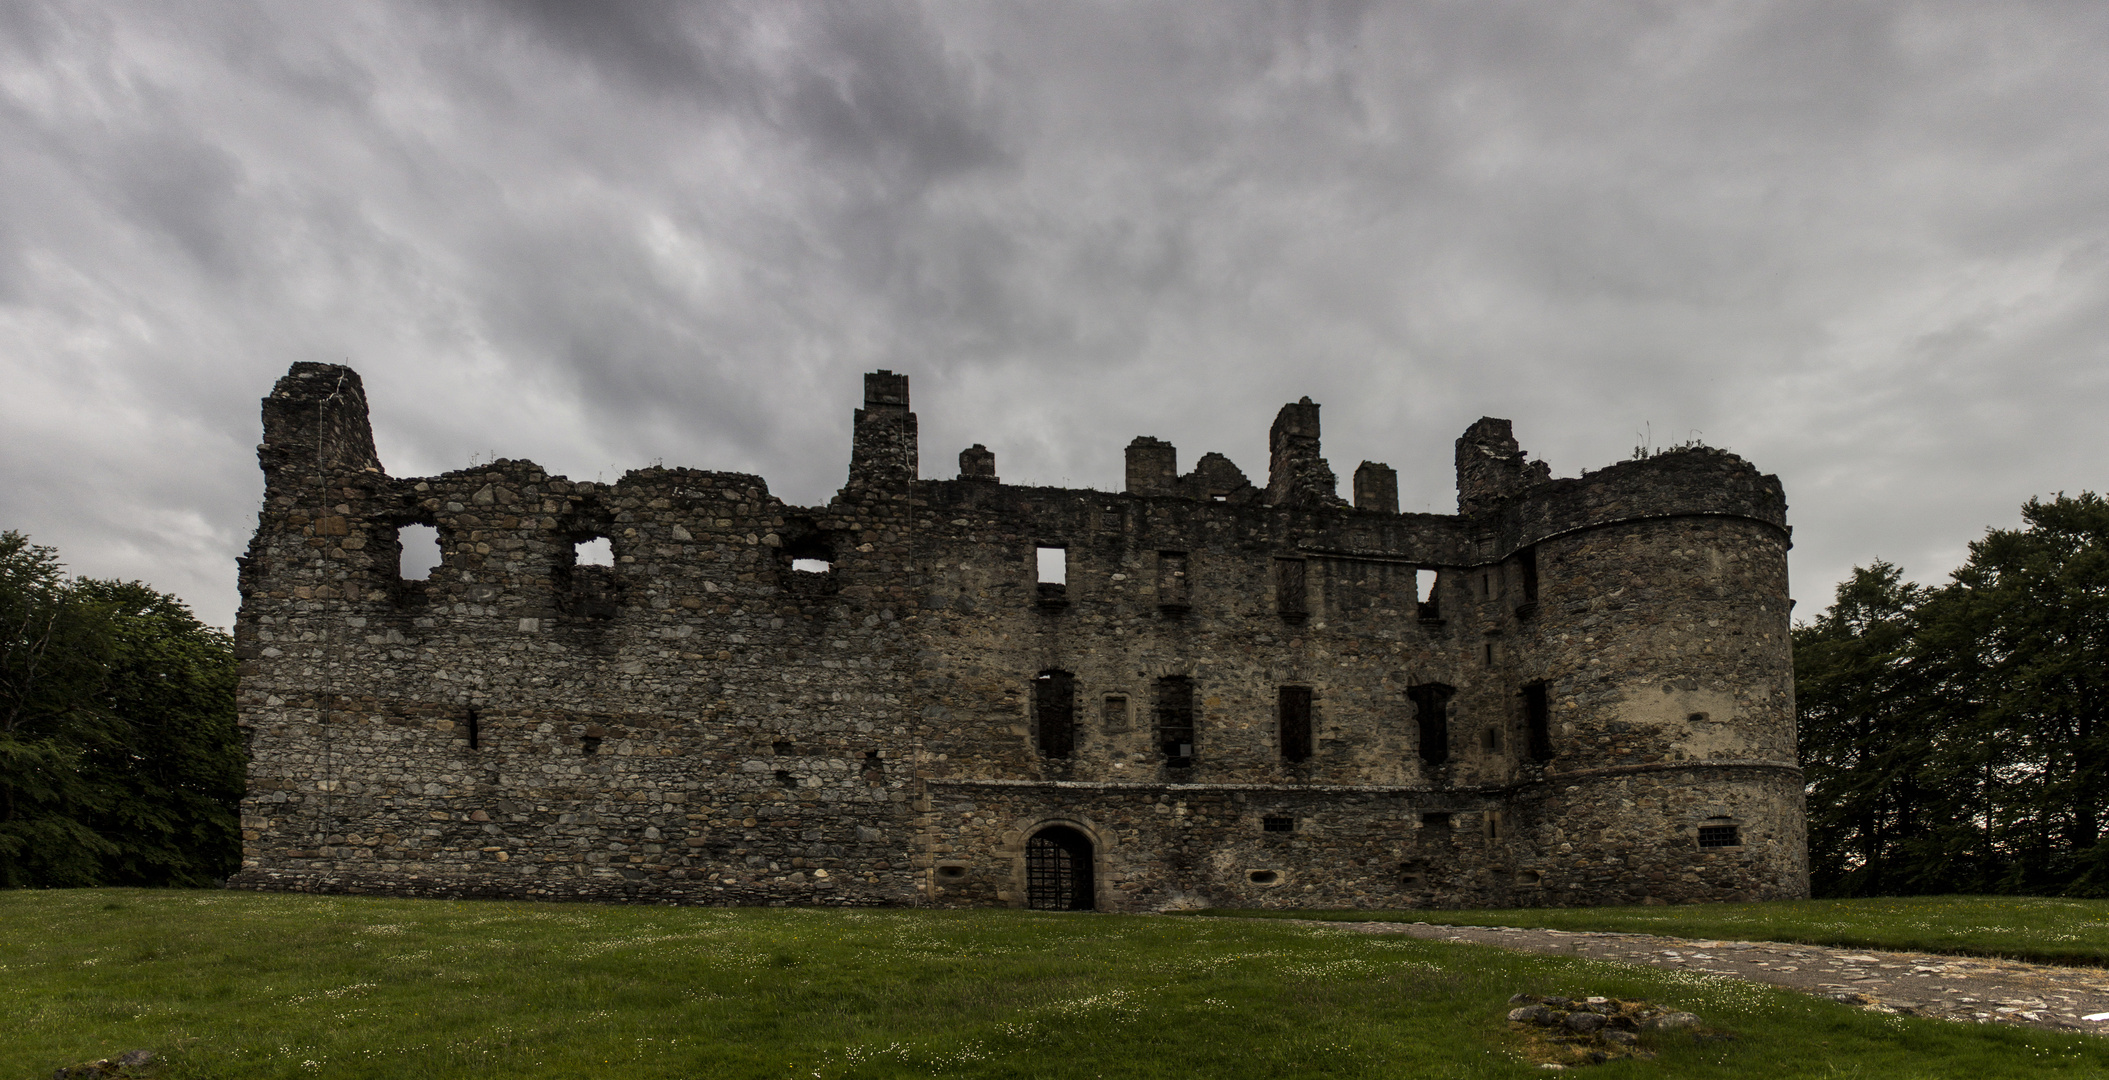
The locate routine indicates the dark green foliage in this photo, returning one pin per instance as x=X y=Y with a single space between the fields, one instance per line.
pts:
x=119 y=758
x=1954 y=739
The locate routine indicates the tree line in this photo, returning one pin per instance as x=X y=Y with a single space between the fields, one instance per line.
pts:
x=1954 y=738
x=120 y=762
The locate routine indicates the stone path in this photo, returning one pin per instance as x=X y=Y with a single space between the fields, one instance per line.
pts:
x=1962 y=988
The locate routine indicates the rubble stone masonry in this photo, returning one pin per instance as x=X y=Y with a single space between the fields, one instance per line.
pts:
x=1234 y=695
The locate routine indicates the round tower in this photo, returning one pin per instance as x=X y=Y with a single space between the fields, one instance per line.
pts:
x=1660 y=670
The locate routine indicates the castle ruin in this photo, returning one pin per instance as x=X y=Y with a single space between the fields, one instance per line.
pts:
x=1199 y=691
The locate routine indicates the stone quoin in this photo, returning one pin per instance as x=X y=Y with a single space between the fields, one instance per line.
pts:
x=1200 y=691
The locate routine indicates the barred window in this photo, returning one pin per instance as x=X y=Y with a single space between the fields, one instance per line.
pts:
x=1719 y=836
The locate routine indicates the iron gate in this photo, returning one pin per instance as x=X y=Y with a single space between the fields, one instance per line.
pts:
x=1058 y=870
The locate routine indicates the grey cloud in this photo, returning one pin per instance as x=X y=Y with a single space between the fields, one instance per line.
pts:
x=1861 y=244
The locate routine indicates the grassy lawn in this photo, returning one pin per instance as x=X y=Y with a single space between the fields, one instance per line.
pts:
x=2019 y=927
x=236 y=985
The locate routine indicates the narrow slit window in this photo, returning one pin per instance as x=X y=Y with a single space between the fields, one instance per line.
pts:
x=1537 y=721
x=1289 y=596
x=1295 y=723
x=1054 y=713
x=1431 y=717
x=474 y=724
x=1527 y=562
x=420 y=552
x=598 y=551
x=1175 y=720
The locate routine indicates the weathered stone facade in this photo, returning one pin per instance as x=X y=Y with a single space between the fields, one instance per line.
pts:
x=1233 y=695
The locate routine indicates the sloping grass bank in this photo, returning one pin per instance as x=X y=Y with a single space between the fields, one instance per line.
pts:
x=236 y=985
x=2044 y=929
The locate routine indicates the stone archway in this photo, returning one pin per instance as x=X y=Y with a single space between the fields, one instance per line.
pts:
x=1058 y=871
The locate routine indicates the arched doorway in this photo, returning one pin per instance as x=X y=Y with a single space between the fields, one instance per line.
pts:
x=1058 y=870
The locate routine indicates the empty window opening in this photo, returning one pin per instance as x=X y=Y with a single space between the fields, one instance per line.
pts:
x=1289 y=599
x=782 y=748
x=1436 y=819
x=1175 y=720
x=811 y=566
x=1054 y=565
x=1115 y=714
x=420 y=552
x=1054 y=713
x=1696 y=718
x=1263 y=877
x=785 y=779
x=1490 y=654
x=1431 y=716
x=1720 y=835
x=1537 y=721
x=1424 y=589
x=1278 y=824
x=1172 y=582
x=589 y=745
x=1058 y=871
x=1493 y=824
x=1527 y=562
x=1529 y=877
x=597 y=551
x=952 y=873
x=1490 y=740
x=1295 y=705
x=1410 y=881
x=474 y=724
x=589 y=589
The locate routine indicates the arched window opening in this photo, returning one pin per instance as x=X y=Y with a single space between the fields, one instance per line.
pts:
x=1058 y=871
x=1054 y=713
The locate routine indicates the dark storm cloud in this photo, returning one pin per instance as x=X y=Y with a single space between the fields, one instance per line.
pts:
x=1867 y=246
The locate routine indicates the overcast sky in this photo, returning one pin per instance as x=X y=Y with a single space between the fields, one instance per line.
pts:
x=1865 y=246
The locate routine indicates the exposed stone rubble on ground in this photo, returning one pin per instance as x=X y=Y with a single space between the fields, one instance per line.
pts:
x=1563 y=1031
x=1961 y=988
x=125 y=1066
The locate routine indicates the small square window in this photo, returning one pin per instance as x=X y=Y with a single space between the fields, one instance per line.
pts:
x=1718 y=836
x=1278 y=824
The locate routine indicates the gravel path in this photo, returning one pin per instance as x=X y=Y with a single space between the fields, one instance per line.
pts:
x=1962 y=988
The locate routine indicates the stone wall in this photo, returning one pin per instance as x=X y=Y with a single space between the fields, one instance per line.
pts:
x=878 y=701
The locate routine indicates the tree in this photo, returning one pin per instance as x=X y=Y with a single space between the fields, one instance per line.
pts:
x=1954 y=739
x=120 y=762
